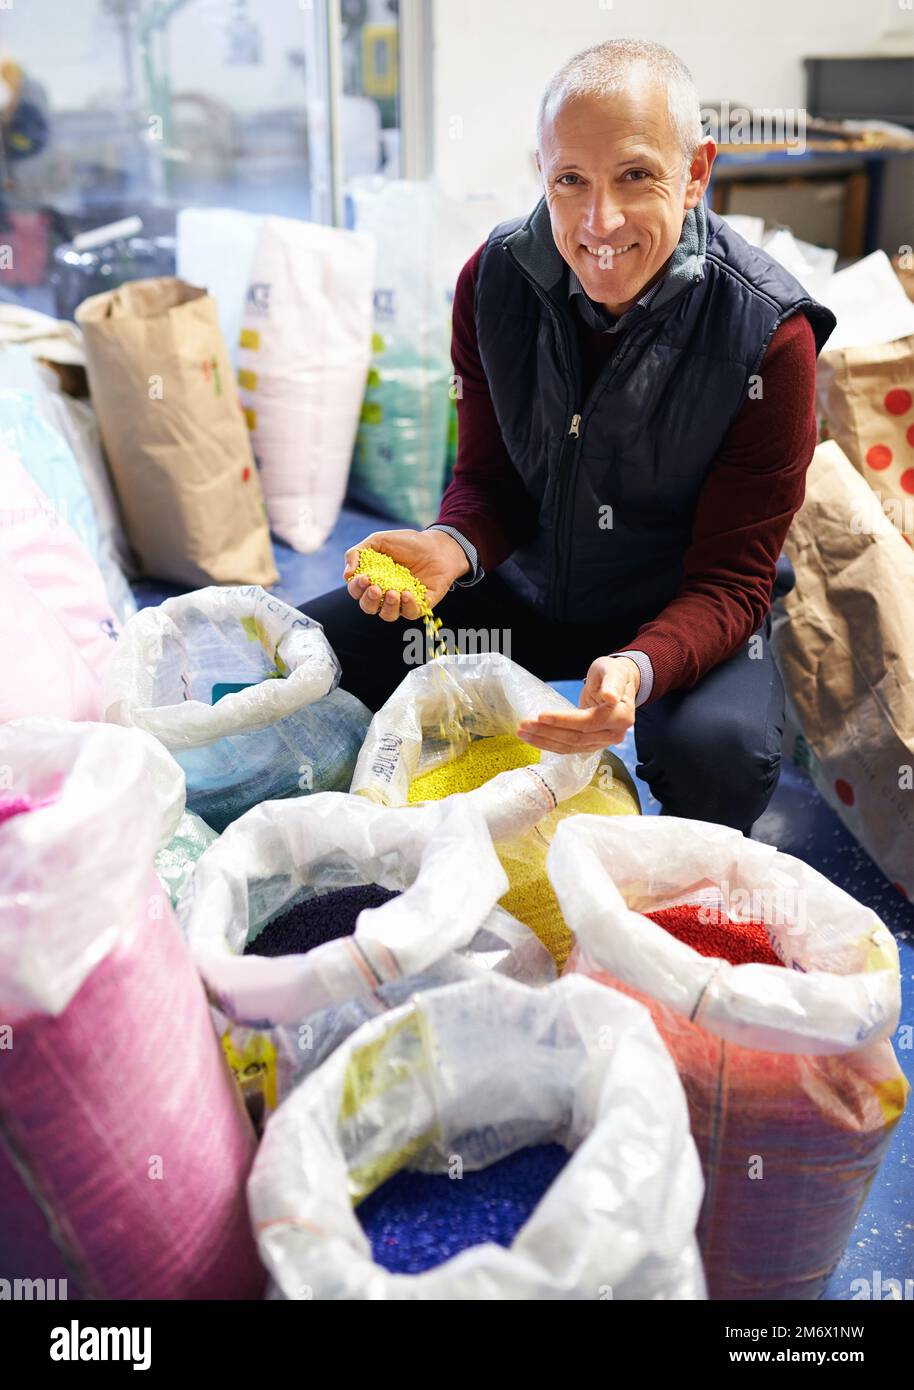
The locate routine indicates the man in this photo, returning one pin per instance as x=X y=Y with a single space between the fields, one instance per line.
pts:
x=636 y=421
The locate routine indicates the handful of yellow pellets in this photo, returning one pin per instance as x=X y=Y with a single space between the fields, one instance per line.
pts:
x=388 y=574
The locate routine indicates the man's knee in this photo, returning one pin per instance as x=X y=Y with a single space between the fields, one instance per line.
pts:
x=713 y=764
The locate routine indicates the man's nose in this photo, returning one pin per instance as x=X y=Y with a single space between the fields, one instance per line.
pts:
x=605 y=215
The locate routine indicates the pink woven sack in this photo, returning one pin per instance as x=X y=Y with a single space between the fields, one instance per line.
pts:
x=117 y=1111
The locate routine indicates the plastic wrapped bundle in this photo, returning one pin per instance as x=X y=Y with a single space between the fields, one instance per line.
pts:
x=74 y=422
x=123 y=1146
x=453 y=1082
x=50 y=464
x=792 y=1083
x=304 y=350
x=176 y=861
x=243 y=691
x=300 y=856
x=400 y=456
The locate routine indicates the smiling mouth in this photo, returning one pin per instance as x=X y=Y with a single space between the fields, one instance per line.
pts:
x=610 y=253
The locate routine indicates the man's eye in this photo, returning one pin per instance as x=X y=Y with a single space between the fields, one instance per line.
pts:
x=637 y=175
x=566 y=176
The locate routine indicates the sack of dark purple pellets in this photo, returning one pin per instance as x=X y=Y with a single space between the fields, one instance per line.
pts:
x=486 y=1141
x=306 y=917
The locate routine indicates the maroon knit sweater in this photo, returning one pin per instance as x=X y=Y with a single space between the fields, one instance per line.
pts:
x=755 y=485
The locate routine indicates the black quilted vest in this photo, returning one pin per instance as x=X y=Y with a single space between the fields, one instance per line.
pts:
x=617 y=477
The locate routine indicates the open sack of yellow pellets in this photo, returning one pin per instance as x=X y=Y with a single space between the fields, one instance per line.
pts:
x=793 y=1086
x=306 y=917
x=450 y=729
x=437 y=714
x=243 y=691
x=469 y=1109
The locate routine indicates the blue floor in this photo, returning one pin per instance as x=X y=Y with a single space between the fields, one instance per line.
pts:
x=799 y=822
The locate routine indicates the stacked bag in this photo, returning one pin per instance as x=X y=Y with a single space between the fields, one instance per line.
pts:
x=294 y=302
x=846 y=652
x=175 y=439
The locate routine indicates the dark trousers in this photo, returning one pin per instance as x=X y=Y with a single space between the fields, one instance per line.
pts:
x=710 y=753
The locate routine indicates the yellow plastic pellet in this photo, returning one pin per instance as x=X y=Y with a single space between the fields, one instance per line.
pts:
x=531 y=898
x=484 y=759
x=387 y=574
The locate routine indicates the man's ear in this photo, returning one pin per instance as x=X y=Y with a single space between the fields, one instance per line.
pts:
x=699 y=172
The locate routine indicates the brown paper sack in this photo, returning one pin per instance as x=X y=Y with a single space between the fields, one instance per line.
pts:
x=172 y=426
x=846 y=653
x=867 y=397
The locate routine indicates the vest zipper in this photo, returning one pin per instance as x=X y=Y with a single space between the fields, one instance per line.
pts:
x=560 y=561
x=569 y=447
x=568 y=477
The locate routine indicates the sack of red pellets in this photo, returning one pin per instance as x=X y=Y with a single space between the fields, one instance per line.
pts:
x=301 y=907
x=486 y=1141
x=243 y=691
x=776 y=994
x=450 y=728
x=123 y=1146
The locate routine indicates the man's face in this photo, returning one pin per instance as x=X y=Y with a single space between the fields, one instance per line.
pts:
x=612 y=170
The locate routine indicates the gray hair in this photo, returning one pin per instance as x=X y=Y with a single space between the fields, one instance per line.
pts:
x=606 y=67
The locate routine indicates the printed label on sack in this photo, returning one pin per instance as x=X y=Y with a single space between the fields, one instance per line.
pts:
x=387 y=758
x=258 y=297
x=385 y=304
x=210 y=367
x=367 y=1177
x=374 y=1068
x=252 y=1059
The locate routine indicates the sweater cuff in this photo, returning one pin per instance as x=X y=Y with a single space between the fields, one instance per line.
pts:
x=643 y=662
x=469 y=550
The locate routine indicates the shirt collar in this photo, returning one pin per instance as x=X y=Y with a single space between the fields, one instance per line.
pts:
x=595 y=316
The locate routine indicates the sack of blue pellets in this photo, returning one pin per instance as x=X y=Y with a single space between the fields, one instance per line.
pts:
x=486 y=1141
x=243 y=690
x=307 y=917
